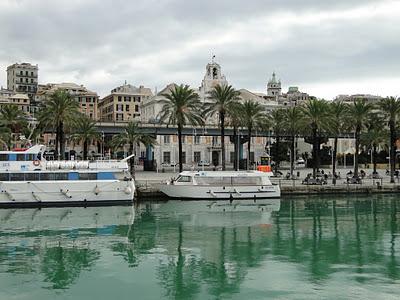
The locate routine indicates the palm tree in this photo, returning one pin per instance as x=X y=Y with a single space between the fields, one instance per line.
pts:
x=358 y=113
x=84 y=130
x=181 y=106
x=235 y=121
x=277 y=121
x=390 y=108
x=12 y=118
x=294 y=122
x=251 y=117
x=5 y=136
x=223 y=98
x=59 y=110
x=373 y=138
x=316 y=114
x=133 y=137
x=337 y=122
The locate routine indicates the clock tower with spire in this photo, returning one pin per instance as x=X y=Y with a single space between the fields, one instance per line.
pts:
x=274 y=89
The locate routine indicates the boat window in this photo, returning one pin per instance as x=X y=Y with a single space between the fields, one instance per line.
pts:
x=30 y=157
x=3 y=176
x=61 y=176
x=246 y=180
x=20 y=157
x=3 y=157
x=47 y=176
x=184 y=179
x=213 y=180
x=87 y=176
x=31 y=176
x=16 y=176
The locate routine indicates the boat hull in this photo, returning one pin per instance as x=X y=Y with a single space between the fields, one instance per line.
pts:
x=65 y=193
x=220 y=192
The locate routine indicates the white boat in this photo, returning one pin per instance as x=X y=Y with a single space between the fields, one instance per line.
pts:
x=221 y=185
x=27 y=179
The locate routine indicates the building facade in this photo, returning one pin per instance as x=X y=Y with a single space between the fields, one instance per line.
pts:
x=88 y=100
x=199 y=148
x=23 y=78
x=123 y=103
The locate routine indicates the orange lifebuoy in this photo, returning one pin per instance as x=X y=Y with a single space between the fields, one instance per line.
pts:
x=36 y=163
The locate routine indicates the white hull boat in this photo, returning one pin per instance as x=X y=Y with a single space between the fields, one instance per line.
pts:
x=228 y=185
x=28 y=180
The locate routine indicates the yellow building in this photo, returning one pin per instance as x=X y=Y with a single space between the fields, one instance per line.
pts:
x=123 y=103
x=88 y=100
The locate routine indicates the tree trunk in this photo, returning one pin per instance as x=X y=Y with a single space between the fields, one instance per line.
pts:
x=292 y=155
x=315 y=151
x=248 y=149
x=85 y=149
x=235 y=148
x=57 y=152
x=132 y=161
x=180 y=147
x=62 y=141
x=277 y=162
x=334 y=154
x=392 y=154
x=358 y=129
x=374 y=159
x=222 y=116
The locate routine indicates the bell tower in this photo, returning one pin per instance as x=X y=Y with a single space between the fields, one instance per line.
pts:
x=212 y=78
x=274 y=88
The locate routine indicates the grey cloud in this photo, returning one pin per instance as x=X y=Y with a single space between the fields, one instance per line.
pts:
x=153 y=42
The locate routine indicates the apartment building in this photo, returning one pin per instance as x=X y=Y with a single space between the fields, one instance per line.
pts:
x=23 y=78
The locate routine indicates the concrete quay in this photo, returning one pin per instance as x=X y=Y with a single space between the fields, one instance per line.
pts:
x=147 y=185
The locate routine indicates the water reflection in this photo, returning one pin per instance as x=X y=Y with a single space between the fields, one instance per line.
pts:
x=202 y=249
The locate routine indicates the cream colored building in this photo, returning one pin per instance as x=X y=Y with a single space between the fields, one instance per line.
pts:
x=198 y=146
x=88 y=100
x=123 y=103
x=20 y=100
x=23 y=78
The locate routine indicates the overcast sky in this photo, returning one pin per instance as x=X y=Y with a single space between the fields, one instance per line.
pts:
x=325 y=47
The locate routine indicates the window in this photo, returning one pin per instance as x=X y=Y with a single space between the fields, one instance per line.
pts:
x=16 y=176
x=61 y=176
x=183 y=157
x=197 y=156
x=252 y=156
x=184 y=179
x=232 y=157
x=183 y=139
x=166 y=139
x=127 y=107
x=3 y=176
x=32 y=176
x=20 y=157
x=197 y=139
x=31 y=80
x=136 y=108
x=119 y=98
x=30 y=157
x=32 y=74
x=47 y=176
x=3 y=157
x=166 y=157
x=87 y=176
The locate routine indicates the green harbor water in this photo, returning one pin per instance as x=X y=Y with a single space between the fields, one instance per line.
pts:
x=300 y=248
